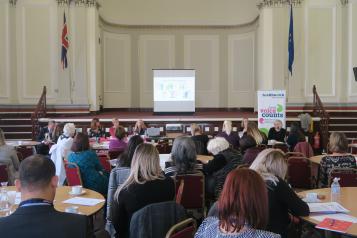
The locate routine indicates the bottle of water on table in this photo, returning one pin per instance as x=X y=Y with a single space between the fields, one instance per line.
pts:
x=335 y=190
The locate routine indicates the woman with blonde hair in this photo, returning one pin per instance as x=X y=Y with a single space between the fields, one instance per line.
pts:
x=145 y=185
x=228 y=134
x=8 y=157
x=338 y=146
x=112 y=129
x=253 y=137
x=200 y=139
x=283 y=201
x=139 y=128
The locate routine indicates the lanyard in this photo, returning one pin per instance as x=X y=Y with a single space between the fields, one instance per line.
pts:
x=35 y=202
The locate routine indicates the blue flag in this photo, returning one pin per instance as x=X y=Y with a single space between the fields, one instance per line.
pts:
x=291 y=41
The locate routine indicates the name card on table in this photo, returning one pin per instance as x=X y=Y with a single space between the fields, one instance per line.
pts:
x=84 y=201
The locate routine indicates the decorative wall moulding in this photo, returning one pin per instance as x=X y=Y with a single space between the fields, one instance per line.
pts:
x=277 y=3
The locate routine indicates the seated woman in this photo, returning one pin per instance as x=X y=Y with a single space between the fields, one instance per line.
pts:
x=96 y=130
x=119 y=142
x=253 y=137
x=93 y=175
x=339 y=158
x=277 y=132
x=8 y=157
x=225 y=159
x=61 y=150
x=146 y=185
x=244 y=127
x=139 y=128
x=184 y=157
x=283 y=201
x=112 y=129
x=200 y=139
x=295 y=136
x=118 y=175
x=242 y=209
x=229 y=135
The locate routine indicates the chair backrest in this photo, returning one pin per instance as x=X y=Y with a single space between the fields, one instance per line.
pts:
x=104 y=161
x=180 y=191
x=250 y=154
x=156 y=219
x=162 y=148
x=348 y=176
x=299 y=172
x=73 y=174
x=353 y=148
x=4 y=177
x=193 y=195
x=282 y=147
x=113 y=154
x=294 y=154
x=184 y=229
x=305 y=148
x=26 y=151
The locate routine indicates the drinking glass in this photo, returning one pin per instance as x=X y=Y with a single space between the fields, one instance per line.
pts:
x=4 y=184
x=4 y=200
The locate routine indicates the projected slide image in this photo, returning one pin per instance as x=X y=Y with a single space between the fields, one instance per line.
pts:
x=174 y=89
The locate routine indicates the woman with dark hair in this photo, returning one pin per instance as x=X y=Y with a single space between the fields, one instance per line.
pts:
x=242 y=209
x=295 y=136
x=119 y=142
x=118 y=176
x=93 y=175
x=184 y=157
x=96 y=130
x=339 y=158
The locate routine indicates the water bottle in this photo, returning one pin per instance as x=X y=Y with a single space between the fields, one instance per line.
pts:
x=4 y=200
x=335 y=190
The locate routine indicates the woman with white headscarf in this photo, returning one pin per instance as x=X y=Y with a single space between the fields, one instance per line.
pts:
x=61 y=150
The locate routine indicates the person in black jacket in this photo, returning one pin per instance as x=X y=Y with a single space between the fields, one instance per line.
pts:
x=283 y=201
x=46 y=136
x=145 y=185
x=200 y=139
x=295 y=136
x=277 y=132
x=225 y=159
x=36 y=215
x=252 y=138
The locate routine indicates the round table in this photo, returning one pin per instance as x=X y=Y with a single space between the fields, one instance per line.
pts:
x=62 y=194
x=348 y=201
x=316 y=159
x=204 y=158
x=19 y=143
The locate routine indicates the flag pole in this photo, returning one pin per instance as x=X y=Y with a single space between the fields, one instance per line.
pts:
x=69 y=48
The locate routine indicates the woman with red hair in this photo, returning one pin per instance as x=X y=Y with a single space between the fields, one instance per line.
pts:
x=242 y=208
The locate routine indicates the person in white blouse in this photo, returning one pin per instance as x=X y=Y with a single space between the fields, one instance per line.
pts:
x=60 y=151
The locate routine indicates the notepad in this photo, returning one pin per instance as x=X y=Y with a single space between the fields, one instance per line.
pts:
x=84 y=201
x=334 y=225
x=327 y=207
x=337 y=216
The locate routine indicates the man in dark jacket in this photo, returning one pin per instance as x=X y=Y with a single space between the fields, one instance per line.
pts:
x=36 y=215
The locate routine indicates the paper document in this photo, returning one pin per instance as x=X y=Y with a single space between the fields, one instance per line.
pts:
x=84 y=201
x=327 y=207
x=337 y=216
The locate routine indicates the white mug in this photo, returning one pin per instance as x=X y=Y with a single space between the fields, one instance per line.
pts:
x=77 y=189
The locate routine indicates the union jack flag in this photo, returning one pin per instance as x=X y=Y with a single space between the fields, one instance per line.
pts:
x=65 y=43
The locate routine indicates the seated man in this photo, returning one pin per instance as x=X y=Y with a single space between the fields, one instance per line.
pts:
x=46 y=136
x=36 y=215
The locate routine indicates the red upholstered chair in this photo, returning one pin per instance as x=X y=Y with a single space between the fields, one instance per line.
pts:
x=26 y=151
x=193 y=194
x=250 y=154
x=73 y=174
x=113 y=154
x=299 y=172
x=184 y=229
x=162 y=147
x=348 y=177
x=3 y=173
x=104 y=161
